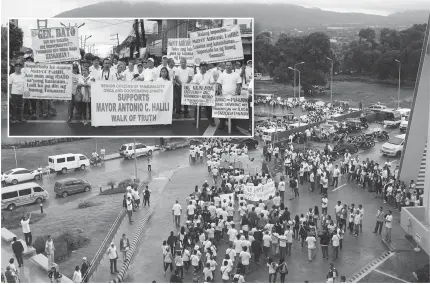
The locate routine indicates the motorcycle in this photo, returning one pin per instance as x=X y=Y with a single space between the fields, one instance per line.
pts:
x=96 y=161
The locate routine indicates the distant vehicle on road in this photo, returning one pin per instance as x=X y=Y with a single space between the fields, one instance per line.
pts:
x=393 y=118
x=251 y=143
x=394 y=146
x=17 y=175
x=404 y=124
x=258 y=76
x=68 y=186
x=63 y=163
x=377 y=107
x=130 y=150
x=22 y=194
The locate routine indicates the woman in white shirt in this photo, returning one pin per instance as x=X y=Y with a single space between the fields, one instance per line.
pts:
x=164 y=75
x=77 y=275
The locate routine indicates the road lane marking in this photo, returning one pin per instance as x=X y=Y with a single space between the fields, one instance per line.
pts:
x=389 y=275
x=339 y=187
x=210 y=131
x=369 y=267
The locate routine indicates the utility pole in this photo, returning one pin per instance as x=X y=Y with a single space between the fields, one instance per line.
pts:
x=136 y=31
x=85 y=40
x=116 y=38
x=42 y=24
x=142 y=28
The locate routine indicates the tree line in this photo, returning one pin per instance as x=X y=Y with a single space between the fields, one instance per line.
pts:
x=369 y=55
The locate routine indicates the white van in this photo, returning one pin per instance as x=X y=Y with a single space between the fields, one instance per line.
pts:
x=394 y=146
x=22 y=194
x=65 y=162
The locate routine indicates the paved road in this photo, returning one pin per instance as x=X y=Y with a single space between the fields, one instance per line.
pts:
x=58 y=126
x=116 y=170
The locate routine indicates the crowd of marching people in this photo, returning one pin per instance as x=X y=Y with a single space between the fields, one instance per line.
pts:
x=229 y=77
x=255 y=233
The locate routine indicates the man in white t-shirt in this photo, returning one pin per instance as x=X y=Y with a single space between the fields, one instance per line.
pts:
x=16 y=89
x=204 y=78
x=25 y=223
x=311 y=242
x=129 y=73
x=95 y=68
x=324 y=203
x=183 y=75
x=176 y=212
x=388 y=226
x=164 y=63
x=229 y=84
x=150 y=74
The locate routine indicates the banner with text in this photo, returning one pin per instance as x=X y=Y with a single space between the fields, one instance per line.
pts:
x=55 y=44
x=180 y=47
x=231 y=107
x=194 y=94
x=118 y=103
x=262 y=191
x=217 y=45
x=47 y=81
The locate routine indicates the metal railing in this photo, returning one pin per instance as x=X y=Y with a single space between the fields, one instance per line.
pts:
x=98 y=257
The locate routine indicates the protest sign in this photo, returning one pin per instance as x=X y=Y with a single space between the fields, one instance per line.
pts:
x=178 y=48
x=262 y=191
x=231 y=107
x=117 y=103
x=55 y=44
x=217 y=45
x=202 y=95
x=48 y=81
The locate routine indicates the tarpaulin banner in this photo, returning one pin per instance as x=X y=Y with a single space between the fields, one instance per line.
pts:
x=55 y=44
x=262 y=191
x=217 y=45
x=231 y=107
x=178 y=48
x=116 y=103
x=48 y=81
x=202 y=95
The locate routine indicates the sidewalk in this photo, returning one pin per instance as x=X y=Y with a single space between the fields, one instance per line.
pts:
x=156 y=185
x=29 y=273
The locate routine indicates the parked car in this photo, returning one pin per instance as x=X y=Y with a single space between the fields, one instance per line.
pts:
x=251 y=143
x=17 y=175
x=22 y=194
x=129 y=150
x=68 y=186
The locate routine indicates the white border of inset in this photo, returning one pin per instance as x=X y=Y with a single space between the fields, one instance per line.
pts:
x=129 y=136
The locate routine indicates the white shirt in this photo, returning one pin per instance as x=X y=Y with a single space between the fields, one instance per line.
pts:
x=311 y=242
x=104 y=75
x=184 y=74
x=94 y=71
x=324 y=202
x=17 y=82
x=150 y=75
x=77 y=277
x=335 y=240
x=389 y=221
x=128 y=75
x=245 y=256
x=229 y=83
x=112 y=252
x=177 y=209
x=203 y=79
x=160 y=79
x=25 y=226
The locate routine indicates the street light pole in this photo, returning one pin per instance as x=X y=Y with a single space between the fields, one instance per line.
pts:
x=16 y=161
x=331 y=82
x=135 y=161
x=398 y=91
x=295 y=69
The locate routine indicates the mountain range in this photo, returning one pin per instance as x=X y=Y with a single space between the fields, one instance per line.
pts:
x=272 y=17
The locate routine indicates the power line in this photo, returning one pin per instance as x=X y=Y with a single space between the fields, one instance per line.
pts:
x=115 y=24
x=103 y=22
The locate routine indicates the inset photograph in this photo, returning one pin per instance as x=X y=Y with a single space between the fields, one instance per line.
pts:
x=131 y=77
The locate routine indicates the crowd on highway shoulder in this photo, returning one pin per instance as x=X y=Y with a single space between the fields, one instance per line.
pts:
x=256 y=233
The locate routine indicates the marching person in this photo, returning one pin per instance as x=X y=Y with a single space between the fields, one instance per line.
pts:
x=146 y=196
x=183 y=75
x=84 y=269
x=113 y=257
x=204 y=78
x=25 y=224
x=124 y=246
x=106 y=73
x=379 y=221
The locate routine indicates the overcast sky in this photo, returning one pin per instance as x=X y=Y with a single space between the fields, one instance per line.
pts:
x=49 y=8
